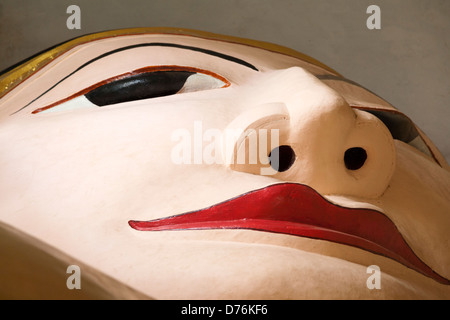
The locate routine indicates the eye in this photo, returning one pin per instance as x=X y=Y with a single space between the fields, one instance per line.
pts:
x=142 y=84
x=401 y=128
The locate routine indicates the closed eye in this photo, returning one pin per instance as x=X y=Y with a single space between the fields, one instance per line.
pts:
x=401 y=128
x=146 y=83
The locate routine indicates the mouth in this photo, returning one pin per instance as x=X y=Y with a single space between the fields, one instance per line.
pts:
x=298 y=210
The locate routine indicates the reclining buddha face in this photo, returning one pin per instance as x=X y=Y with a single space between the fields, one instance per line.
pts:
x=191 y=165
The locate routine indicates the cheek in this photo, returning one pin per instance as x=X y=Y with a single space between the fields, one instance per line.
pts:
x=81 y=162
x=116 y=157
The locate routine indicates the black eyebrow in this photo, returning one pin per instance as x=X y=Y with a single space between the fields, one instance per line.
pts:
x=152 y=44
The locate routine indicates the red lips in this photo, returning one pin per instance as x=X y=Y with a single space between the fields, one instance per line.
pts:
x=298 y=210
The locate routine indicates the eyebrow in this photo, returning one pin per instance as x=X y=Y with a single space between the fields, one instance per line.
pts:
x=152 y=44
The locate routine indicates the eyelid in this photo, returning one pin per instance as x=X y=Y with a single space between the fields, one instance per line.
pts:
x=135 y=72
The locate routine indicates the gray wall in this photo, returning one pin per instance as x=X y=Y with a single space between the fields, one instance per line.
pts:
x=407 y=62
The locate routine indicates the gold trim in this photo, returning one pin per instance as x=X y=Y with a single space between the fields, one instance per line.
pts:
x=14 y=77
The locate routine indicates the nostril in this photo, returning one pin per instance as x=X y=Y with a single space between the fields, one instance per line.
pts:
x=282 y=158
x=354 y=158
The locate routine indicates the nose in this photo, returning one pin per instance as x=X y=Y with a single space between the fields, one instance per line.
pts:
x=309 y=134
